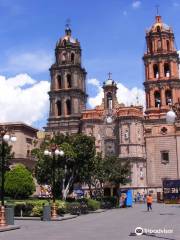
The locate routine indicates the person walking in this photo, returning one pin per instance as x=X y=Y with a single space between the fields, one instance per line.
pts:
x=149 y=201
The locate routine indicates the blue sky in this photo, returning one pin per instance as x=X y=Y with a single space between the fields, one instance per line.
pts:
x=111 y=32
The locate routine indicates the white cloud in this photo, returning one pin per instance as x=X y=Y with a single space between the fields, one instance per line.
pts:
x=23 y=99
x=134 y=96
x=34 y=62
x=136 y=4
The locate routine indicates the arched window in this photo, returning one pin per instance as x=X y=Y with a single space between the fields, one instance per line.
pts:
x=168 y=95
x=158 y=29
x=167 y=43
x=72 y=57
x=59 y=82
x=59 y=108
x=157 y=98
x=156 y=71
x=69 y=81
x=68 y=107
x=109 y=100
x=166 y=70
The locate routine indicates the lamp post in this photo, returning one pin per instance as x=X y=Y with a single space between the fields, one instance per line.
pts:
x=5 y=136
x=173 y=117
x=53 y=152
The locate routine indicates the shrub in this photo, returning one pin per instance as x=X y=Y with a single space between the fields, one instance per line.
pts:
x=37 y=211
x=19 y=182
x=93 y=205
x=62 y=207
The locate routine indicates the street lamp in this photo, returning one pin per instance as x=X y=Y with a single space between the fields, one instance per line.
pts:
x=5 y=136
x=53 y=152
x=174 y=113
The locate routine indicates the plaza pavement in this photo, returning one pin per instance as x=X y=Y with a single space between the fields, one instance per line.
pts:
x=116 y=224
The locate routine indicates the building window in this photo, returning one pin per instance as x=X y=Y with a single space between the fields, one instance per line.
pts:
x=167 y=43
x=156 y=71
x=68 y=107
x=158 y=29
x=72 y=57
x=168 y=95
x=59 y=81
x=109 y=100
x=164 y=157
x=59 y=109
x=69 y=81
x=157 y=98
x=166 y=70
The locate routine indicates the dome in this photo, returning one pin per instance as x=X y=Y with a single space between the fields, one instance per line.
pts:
x=170 y=116
x=159 y=26
x=109 y=82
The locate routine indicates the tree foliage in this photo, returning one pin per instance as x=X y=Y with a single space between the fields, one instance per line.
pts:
x=7 y=153
x=19 y=182
x=79 y=152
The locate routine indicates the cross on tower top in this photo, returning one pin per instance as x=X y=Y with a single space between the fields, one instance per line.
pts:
x=109 y=75
x=157 y=10
x=68 y=23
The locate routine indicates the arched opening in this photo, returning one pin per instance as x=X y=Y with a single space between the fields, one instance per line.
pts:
x=158 y=29
x=156 y=71
x=167 y=44
x=166 y=70
x=68 y=106
x=109 y=100
x=168 y=95
x=69 y=81
x=157 y=98
x=63 y=58
x=59 y=81
x=72 y=57
x=59 y=108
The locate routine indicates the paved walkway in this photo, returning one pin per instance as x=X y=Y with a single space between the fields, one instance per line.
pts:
x=116 y=224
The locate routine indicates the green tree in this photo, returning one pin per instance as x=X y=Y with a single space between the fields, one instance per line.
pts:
x=8 y=155
x=19 y=182
x=79 y=151
x=117 y=171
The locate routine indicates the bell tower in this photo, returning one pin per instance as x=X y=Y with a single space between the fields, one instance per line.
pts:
x=161 y=60
x=110 y=89
x=68 y=91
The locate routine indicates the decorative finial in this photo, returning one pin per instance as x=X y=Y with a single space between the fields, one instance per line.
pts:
x=109 y=75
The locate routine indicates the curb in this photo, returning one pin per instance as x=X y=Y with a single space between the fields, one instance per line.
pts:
x=9 y=228
x=39 y=218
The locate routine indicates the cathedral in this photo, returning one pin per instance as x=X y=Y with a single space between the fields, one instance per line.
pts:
x=141 y=136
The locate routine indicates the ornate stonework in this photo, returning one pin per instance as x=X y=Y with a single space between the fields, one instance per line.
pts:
x=151 y=144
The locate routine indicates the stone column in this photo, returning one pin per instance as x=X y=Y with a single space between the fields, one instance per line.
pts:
x=161 y=70
x=171 y=69
x=163 y=98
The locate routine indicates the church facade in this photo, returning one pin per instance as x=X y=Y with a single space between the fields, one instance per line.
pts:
x=142 y=137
